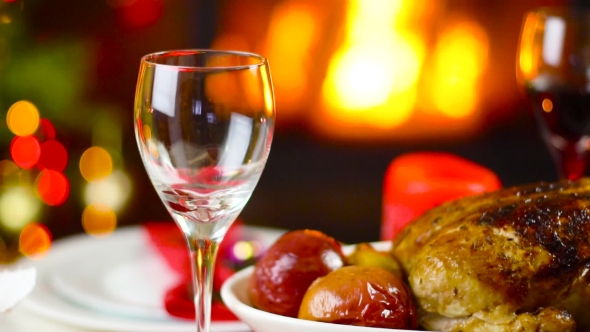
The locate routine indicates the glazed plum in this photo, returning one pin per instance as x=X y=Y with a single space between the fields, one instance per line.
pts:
x=360 y=295
x=281 y=277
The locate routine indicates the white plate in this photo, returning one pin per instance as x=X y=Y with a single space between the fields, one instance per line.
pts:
x=235 y=295
x=116 y=283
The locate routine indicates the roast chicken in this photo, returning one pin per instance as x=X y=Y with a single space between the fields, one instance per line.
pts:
x=517 y=259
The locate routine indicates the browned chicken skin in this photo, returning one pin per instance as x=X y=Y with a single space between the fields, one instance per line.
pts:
x=513 y=260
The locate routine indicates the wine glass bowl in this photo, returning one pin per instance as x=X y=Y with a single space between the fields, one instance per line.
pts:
x=553 y=67
x=204 y=123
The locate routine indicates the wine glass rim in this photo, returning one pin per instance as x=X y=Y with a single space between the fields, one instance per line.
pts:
x=149 y=59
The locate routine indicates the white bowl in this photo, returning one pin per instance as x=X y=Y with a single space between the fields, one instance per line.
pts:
x=234 y=293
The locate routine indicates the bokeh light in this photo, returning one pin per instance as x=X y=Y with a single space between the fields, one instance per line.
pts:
x=243 y=250
x=7 y=168
x=18 y=207
x=112 y=191
x=47 y=129
x=547 y=105
x=372 y=78
x=53 y=187
x=53 y=156
x=257 y=248
x=25 y=151
x=460 y=59
x=99 y=220
x=22 y=118
x=141 y=13
x=529 y=54
x=293 y=30
x=96 y=164
x=5 y=19
x=35 y=241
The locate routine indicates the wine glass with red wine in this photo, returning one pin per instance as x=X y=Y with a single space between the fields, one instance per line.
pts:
x=553 y=66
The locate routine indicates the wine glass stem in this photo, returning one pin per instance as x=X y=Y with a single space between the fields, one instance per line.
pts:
x=203 y=254
x=571 y=161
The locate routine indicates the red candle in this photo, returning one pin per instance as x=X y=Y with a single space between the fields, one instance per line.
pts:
x=416 y=182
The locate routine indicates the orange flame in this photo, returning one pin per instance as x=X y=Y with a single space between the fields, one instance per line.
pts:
x=372 y=78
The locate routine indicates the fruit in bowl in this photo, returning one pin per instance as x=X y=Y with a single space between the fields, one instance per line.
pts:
x=305 y=274
x=235 y=294
x=364 y=254
x=360 y=295
x=281 y=277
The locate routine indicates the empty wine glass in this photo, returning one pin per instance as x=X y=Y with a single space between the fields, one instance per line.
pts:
x=204 y=123
x=553 y=66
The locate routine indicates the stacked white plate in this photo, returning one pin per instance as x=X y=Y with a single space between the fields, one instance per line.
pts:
x=116 y=283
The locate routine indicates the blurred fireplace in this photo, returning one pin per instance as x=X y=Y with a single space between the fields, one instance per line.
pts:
x=383 y=70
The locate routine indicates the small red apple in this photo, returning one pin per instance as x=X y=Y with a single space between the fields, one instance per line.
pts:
x=281 y=277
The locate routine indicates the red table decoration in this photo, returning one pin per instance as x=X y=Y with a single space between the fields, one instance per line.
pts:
x=416 y=182
x=169 y=242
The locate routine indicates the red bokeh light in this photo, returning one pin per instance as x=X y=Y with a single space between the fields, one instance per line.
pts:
x=53 y=156
x=25 y=151
x=53 y=187
x=142 y=13
x=47 y=129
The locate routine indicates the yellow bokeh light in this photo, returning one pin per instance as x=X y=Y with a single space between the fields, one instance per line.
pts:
x=458 y=107
x=528 y=49
x=112 y=191
x=292 y=32
x=99 y=220
x=96 y=164
x=460 y=58
x=366 y=77
x=361 y=80
x=5 y=19
x=22 y=118
x=243 y=250
x=372 y=78
x=34 y=241
x=18 y=207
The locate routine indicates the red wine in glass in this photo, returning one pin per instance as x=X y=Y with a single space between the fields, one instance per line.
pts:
x=553 y=66
x=563 y=117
